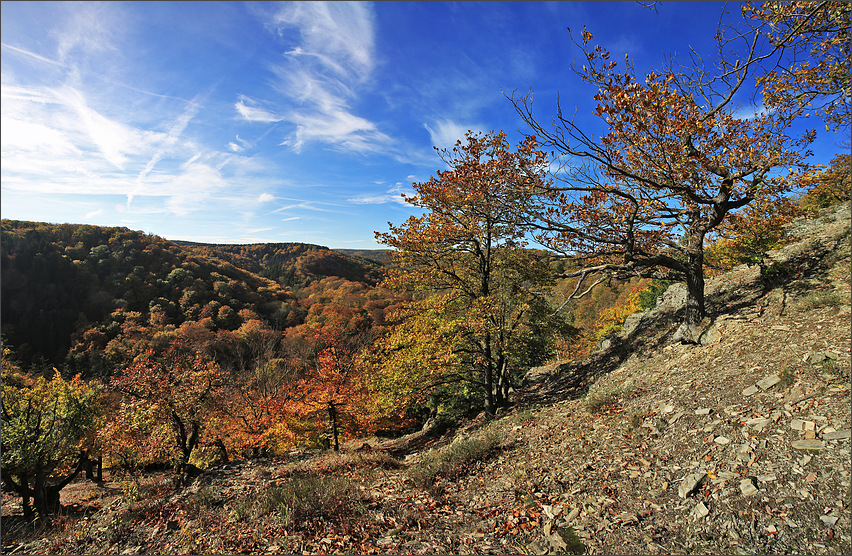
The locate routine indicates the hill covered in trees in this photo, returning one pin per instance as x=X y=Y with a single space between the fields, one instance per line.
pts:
x=78 y=294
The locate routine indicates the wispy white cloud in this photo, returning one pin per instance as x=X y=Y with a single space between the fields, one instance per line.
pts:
x=445 y=133
x=338 y=34
x=265 y=198
x=34 y=137
x=32 y=55
x=113 y=139
x=175 y=131
x=250 y=111
x=240 y=145
x=305 y=205
x=392 y=195
x=90 y=28
x=55 y=142
x=321 y=76
x=197 y=182
x=49 y=132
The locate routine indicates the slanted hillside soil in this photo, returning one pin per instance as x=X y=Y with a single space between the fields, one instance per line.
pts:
x=740 y=445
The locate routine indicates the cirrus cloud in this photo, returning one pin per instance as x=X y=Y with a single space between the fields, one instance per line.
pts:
x=318 y=79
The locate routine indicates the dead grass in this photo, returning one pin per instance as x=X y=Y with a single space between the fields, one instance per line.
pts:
x=451 y=462
x=353 y=460
x=299 y=497
x=820 y=299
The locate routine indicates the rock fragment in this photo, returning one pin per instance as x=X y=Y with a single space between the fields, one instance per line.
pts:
x=808 y=444
x=690 y=483
x=747 y=487
x=768 y=382
x=837 y=435
x=700 y=511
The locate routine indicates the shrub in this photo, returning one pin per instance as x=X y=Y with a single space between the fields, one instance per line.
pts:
x=573 y=542
x=525 y=480
x=788 y=378
x=200 y=500
x=828 y=187
x=599 y=400
x=648 y=297
x=746 y=236
x=313 y=495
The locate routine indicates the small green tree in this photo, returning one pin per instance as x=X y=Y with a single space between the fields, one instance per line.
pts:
x=43 y=423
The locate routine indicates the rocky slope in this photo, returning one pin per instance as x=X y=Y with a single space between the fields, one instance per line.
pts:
x=738 y=446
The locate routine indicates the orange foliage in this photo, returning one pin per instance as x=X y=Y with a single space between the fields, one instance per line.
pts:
x=168 y=403
x=816 y=75
x=602 y=314
x=335 y=387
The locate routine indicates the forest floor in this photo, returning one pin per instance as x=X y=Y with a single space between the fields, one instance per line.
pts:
x=740 y=445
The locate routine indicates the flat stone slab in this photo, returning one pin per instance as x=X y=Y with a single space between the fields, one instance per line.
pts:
x=758 y=422
x=573 y=514
x=768 y=382
x=808 y=444
x=689 y=484
x=829 y=520
x=747 y=487
x=675 y=417
x=700 y=511
x=750 y=391
x=837 y=435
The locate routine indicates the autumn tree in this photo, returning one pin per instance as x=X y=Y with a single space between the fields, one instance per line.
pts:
x=43 y=421
x=829 y=185
x=467 y=246
x=335 y=386
x=422 y=351
x=674 y=162
x=171 y=398
x=253 y=402
x=809 y=55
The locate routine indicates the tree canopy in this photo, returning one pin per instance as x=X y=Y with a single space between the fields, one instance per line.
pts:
x=469 y=245
x=675 y=160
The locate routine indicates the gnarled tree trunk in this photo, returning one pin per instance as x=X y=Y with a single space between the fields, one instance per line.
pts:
x=44 y=495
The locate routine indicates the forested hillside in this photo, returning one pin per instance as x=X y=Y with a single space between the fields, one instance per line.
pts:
x=89 y=297
x=294 y=264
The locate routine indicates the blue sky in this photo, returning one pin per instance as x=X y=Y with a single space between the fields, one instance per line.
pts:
x=276 y=122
